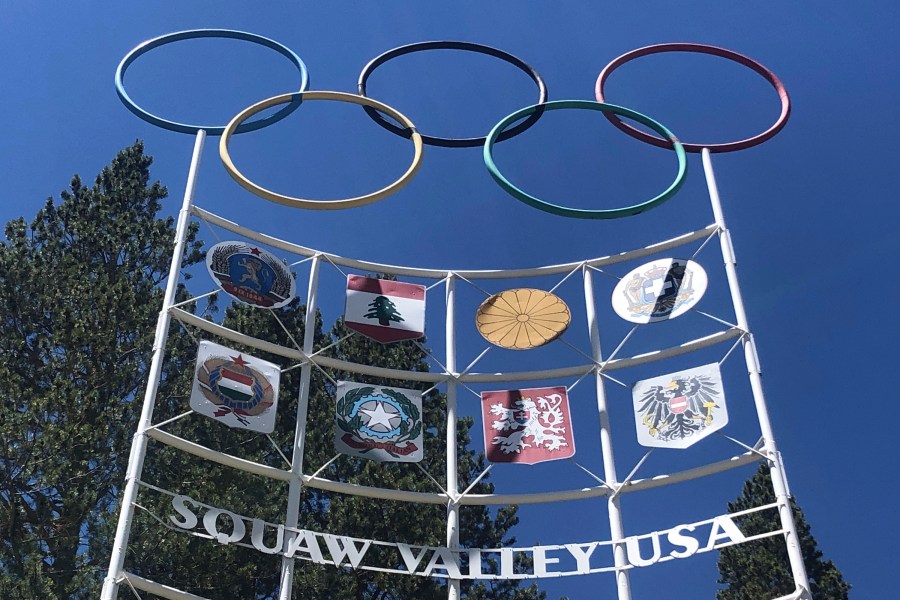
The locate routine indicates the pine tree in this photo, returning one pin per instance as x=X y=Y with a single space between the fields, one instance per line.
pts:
x=79 y=296
x=250 y=574
x=759 y=570
x=80 y=292
x=398 y=521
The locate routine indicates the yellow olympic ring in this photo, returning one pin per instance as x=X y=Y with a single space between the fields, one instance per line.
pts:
x=319 y=204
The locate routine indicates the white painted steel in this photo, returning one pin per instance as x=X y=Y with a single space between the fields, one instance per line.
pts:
x=218 y=457
x=453 y=585
x=295 y=484
x=435 y=377
x=353 y=489
x=795 y=555
x=163 y=591
x=427 y=273
x=797 y=594
x=485 y=576
x=616 y=528
x=236 y=336
x=139 y=445
x=297 y=479
x=637 y=485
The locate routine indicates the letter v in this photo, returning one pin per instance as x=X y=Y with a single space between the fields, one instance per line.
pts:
x=409 y=560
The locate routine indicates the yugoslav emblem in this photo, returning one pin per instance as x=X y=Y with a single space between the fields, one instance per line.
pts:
x=251 y=274
x=680 y=409
x=659 y=290
x=379 y=423
x=527 y=426
x=235 y=388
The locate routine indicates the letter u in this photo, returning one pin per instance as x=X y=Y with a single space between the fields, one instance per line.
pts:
x=633 y=547
x=256 y=536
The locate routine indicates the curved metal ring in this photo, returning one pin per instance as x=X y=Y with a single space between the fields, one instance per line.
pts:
x=299 y=97
x=206 y=33
x=451 y=45
x=700 y=49
x=578 y=213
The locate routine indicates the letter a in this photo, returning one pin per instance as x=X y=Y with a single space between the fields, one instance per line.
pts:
x=444 y=560
x=409 y=559
x=305 y=542
x=728 y=529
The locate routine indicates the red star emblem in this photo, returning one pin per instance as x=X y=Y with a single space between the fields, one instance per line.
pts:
x=255 y=251
x=239 y=360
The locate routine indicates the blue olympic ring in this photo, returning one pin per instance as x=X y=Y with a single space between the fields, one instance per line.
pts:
x=207 y=33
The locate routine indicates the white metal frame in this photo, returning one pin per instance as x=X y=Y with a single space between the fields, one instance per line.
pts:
x=139 y=446
x=779 y=482
x=611 y=488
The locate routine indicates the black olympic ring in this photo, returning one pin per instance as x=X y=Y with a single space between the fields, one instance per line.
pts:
x=499 y=132
x=451 y=45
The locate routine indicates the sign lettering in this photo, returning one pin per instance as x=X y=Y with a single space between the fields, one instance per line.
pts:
x=681 y=541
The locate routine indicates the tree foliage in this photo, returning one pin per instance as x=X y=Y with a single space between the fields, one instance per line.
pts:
x=760 y=569
x=79 y=296
x=80 y=291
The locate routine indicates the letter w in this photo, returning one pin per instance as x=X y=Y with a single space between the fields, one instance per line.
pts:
x=340 y=546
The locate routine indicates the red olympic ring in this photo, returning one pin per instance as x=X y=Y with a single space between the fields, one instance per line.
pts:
x=700 y=49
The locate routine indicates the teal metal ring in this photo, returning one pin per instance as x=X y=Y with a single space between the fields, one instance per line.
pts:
x=207 y=33
x=578 y=213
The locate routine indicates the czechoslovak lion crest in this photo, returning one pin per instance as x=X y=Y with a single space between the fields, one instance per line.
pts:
x=659 y=290
x=527 y=426
x=251 y=274
x=379 y=423
x=237 y=389
x=680 y=409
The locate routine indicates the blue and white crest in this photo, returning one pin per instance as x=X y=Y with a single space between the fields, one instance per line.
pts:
x=250 y=274
x=378 y=423
x=659 y=290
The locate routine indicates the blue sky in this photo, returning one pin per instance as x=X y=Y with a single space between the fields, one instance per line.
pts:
x=810 y=211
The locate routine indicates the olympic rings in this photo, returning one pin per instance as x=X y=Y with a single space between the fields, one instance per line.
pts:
x=518 y=121
x=450 y=45
x=298 y=97
x=564 y=211
x=701 y=49
x=206 y=33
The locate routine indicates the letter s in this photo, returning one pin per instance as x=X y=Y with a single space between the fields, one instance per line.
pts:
x=179 y=503
x=676 y=538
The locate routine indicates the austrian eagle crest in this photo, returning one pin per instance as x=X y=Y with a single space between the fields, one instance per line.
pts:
x=680 y=409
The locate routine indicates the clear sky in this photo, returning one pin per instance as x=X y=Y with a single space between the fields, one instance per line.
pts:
x=810 y=211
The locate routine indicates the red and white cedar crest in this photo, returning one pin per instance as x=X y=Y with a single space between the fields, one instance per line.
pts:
x=384 y=310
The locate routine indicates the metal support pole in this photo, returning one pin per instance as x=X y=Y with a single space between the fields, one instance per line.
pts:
x=616 y=529
x=295 y=484
x=139 y=445
x=779 y=486
x=453 y=585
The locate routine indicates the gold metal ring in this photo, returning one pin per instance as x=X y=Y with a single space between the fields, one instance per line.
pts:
x=319 y=204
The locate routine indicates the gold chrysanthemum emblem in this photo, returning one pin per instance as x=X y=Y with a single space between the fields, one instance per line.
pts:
x=522 y=318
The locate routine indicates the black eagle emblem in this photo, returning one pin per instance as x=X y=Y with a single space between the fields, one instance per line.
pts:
x=680 y=408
